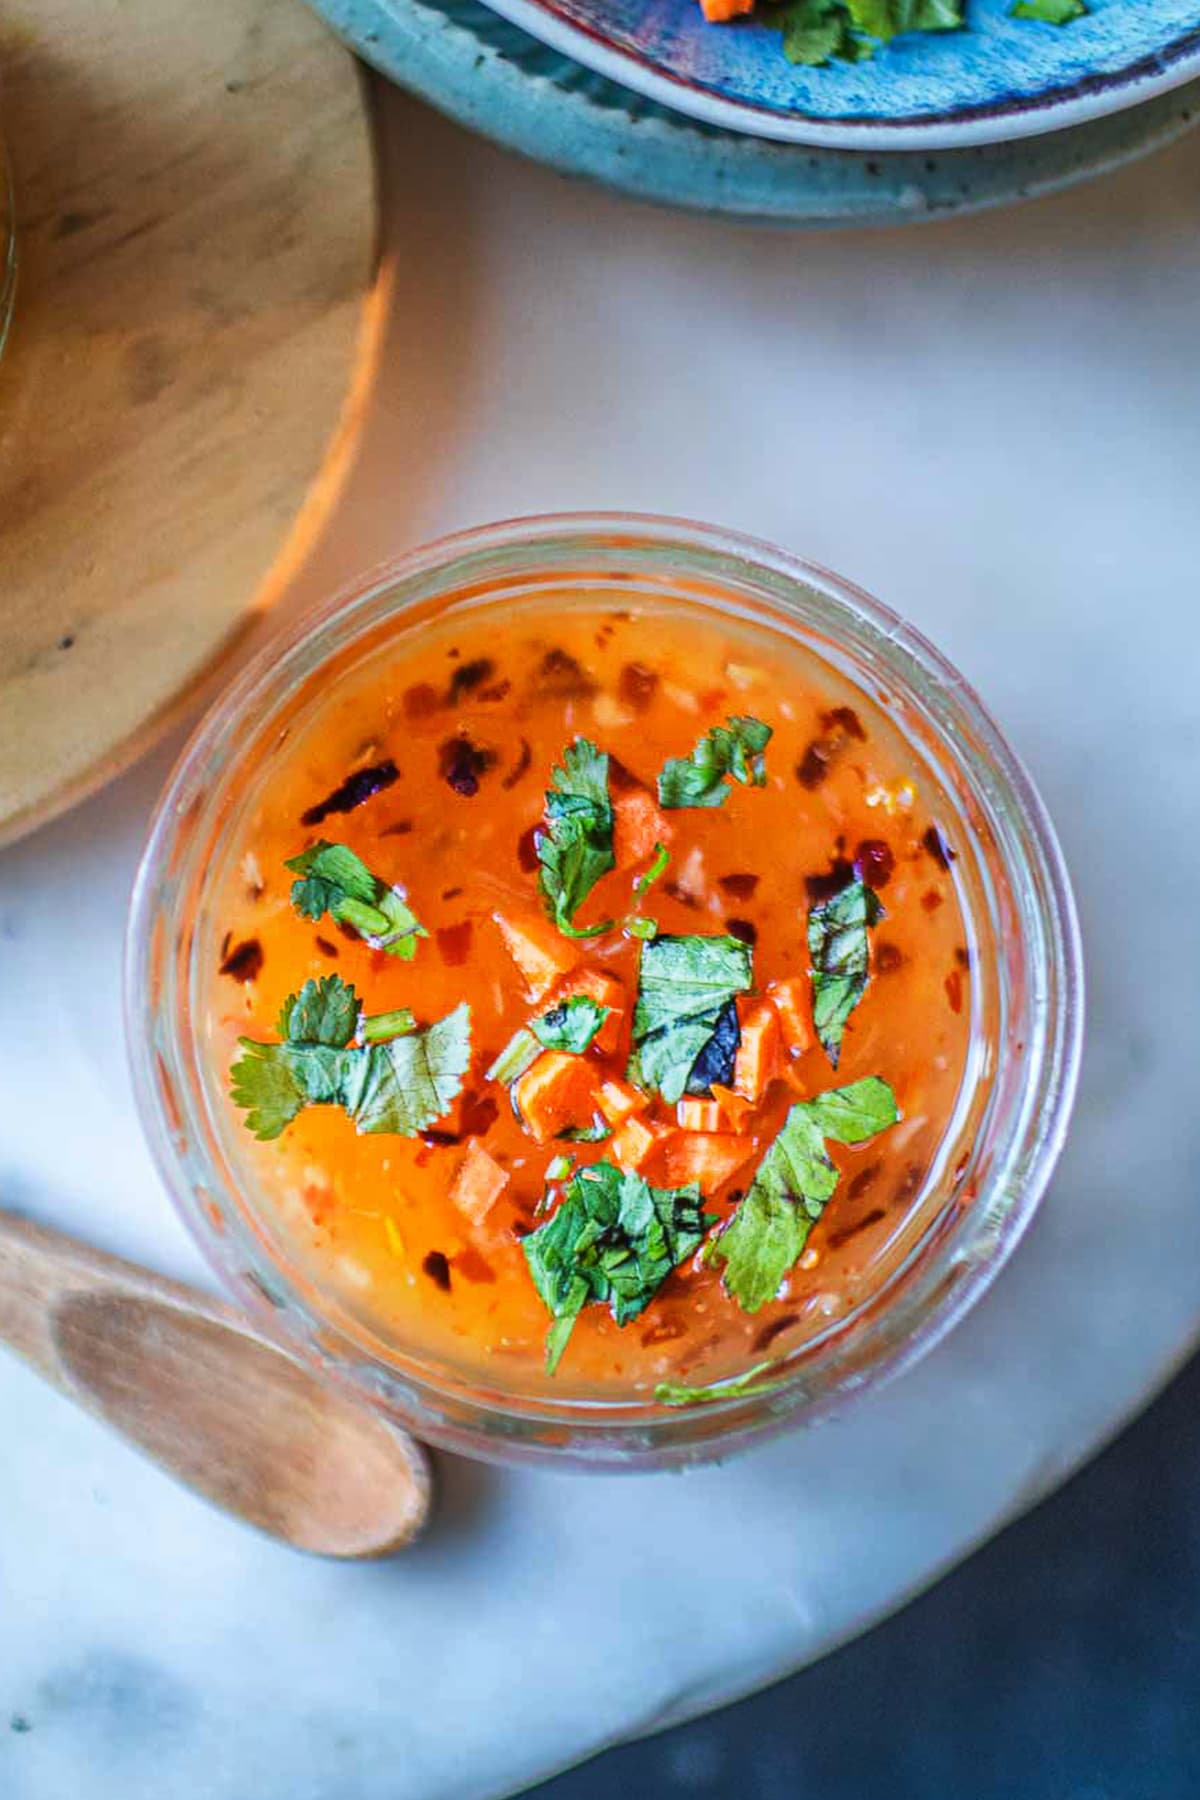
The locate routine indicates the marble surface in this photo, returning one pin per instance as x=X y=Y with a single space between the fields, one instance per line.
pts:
x=995 y=424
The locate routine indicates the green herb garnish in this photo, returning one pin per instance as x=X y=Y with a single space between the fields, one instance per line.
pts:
x=685 y=985
x=655 y=872
x=839 y=952
x=576 y=847
x=817 y=31
x=641 y=928
x=334 y=880
x=613 y=1240
x=401 y=1085
x=676 y=1393
x=792 y=1186
x=571 y=1025
x=733 y=750
x=519 y=1054
x=595 y=1133
x=1050 y=12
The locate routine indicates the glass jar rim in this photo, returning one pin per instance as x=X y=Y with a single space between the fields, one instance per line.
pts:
x=811 y=1381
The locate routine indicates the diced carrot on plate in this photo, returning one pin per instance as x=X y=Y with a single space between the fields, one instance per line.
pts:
x=699 y=1115
x=718 y=12
x=556 y=1091
x=479 y=1183
x=790 y=1000
x=706 y=1157
x=540 y=953
x=638 y=825
x=635 y=1143
x=734 y=1107
x=759 y=1052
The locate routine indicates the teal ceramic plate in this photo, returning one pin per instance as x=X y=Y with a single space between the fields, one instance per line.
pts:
x=495 y=79
x=1000 y=78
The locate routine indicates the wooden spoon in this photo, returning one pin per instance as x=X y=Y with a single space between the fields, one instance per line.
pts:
x=187 y=1381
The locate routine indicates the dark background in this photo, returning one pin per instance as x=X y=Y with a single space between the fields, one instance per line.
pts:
x=1062 y=1662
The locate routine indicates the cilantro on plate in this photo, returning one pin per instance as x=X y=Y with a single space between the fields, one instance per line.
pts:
x=687 y=987
x=334 y=880
x=575 y=845
x=401 y=1084
x=571 y=1025
x=792 y=1186
x=839 y=949
x=733 y=752
x=1050 y=12
x=612 y=1240
x=734 y=1387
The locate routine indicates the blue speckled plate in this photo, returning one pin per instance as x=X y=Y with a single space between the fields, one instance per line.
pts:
x=489 y=76
x=1002 y=78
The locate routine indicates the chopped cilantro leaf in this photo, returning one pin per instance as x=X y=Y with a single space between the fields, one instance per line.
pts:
x=571 y=1025
x=655 y=872
x=792 y=1186
x=520 y=1053
x=839 y=951
x=1050 y=12
x=733 y=750
x=613 y=1240
x=401 y=1085
x=334 y=880
x=676 y=1393
x=817 y=31
x=575 y=847
x=685 y=988
x=886 y=19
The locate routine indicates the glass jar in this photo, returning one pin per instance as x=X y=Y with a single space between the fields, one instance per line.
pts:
x=1026 y=989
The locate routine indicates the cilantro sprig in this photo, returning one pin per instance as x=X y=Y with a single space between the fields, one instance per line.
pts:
x=396 y=1080
x=839 y=955
x=734 y=1387
x=572 y=1025
x=792 y=1186
x=1050 y=12
x=729 y=752
x=612 y=1240
x=334 y=880
x=687 y=987
x=575 y=846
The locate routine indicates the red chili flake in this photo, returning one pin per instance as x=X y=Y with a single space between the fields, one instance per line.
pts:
x=468 y=677
x=766 y=1337
x=461 y=763
x=743 y=931
x=637 y=686
x=856 y=1188
x=524 y=758
x=962 y=956
x=814 y=765
x=433 y=1139
x=936 y=846
x=931 y=900
x=325 y=947
x=908 y=1186
x=437 y=1267
x=454 y=943
x=887 y=957
x=564 y=677
x=741 y=887
x=421 y=701
x=837 y=1238
x=664 y=1331
x=473 y=1266
x=477 y=1114
x=362 y=785
x=244 y=962
x=954 y=990
x=874 y=861
x=823 y=887
x=401 y=828
x=499 y=690
x=682 y=894
x=527 y=855
x=844 y=719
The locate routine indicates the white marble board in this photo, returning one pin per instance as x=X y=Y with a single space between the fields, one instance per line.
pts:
x=994 y=424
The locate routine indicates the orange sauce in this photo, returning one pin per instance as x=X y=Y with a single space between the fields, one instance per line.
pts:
x=371 y=1219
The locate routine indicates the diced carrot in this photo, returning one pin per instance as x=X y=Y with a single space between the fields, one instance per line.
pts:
x=717 y=12
x=709 y=1158
x=638 y=825
x=542 y=956
x=557 y=1090
x=605 y=990
x=479 y=1183
x=790 y=1000
x=699 y=1115
x=635 y=1143
x=619 y=1100
x=759 y=1053
x=734 y=1107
